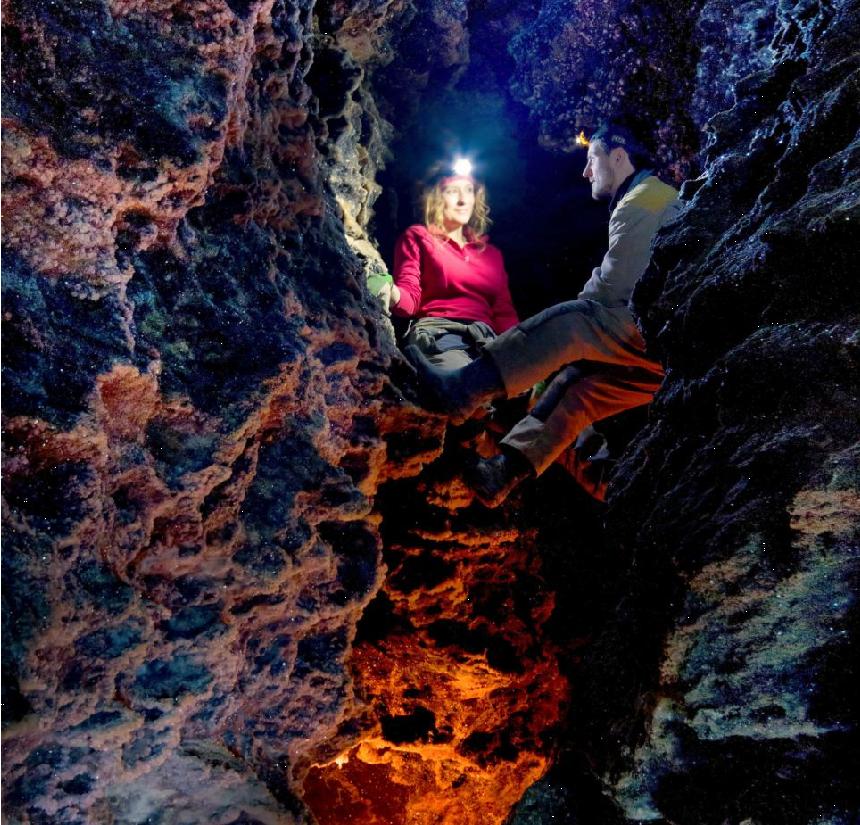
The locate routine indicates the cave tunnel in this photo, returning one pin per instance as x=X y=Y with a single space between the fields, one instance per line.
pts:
x=243 y=578
x=543 y=217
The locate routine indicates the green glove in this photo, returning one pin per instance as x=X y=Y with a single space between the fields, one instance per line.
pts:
x=539 y=389
x=378 y=280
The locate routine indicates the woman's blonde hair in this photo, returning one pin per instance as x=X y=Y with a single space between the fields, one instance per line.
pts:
x=478 y=224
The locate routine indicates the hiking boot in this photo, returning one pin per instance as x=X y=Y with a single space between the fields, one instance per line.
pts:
x=457 y=393
x=493 y=479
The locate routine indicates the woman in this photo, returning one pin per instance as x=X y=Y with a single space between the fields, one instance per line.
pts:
x=448 y=277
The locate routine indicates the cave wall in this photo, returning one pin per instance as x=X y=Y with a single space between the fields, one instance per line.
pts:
x=200 y=404
x=228 y=592
x=721 y=690
x=196 y=395
x=750 y=471
x=455 y=661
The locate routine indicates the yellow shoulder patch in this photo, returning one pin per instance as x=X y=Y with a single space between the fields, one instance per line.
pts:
x=652 y=194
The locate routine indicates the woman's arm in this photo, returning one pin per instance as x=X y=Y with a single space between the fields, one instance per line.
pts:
x=406 y=292
x=504 y=314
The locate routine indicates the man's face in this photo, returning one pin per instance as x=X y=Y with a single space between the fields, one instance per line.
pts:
x=600 y=170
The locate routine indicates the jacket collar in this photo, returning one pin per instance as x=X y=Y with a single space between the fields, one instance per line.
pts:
x=630 y=181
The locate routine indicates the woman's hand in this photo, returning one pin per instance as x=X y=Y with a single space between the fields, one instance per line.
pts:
x=381 y=286
x=389 y=295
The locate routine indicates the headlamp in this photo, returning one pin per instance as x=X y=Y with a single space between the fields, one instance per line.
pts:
x=462 y=167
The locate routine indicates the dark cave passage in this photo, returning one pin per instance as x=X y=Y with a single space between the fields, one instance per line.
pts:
x=544 y=220
x=547 y=226
x=446 y=679
x=485 y=677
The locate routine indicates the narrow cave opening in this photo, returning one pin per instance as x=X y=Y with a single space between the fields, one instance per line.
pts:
x=467 y=660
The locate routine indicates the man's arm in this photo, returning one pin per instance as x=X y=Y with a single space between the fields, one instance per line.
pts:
x=632 y=228
x=631 y=232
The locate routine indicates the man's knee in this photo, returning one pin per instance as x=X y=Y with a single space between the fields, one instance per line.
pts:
x=568 y=312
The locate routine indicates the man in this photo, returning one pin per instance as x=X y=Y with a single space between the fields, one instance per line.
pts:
x=597 y=331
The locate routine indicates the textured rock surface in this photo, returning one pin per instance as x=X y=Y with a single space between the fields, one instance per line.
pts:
x=456 y=665
x=199 y=409
x=230 y=597
x=196 y=400
x=581 y=60
x=739 y=505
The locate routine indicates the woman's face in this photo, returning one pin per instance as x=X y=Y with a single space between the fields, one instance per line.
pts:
x=458 y=202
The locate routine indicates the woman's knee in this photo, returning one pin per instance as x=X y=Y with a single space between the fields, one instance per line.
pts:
x=452 y=359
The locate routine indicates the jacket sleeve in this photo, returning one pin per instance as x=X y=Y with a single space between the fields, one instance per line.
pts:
x=504 y=314
x=631 y=233
x=407 y=273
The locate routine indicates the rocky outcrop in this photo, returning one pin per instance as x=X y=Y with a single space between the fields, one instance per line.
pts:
x=201 y=402
x=197 y=395
x=242 y=579
x=455 y=663
x=739 y=504
x=582 y=61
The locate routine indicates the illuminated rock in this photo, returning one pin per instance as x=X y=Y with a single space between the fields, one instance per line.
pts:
x=242 y=579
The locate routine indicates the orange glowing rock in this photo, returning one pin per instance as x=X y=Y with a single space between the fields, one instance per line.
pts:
x=465 y=701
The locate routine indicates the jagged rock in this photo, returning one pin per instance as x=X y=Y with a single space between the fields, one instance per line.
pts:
x=197 y=398
x=243 y=581
x=742 y=497
x=453 y=660
x=582 y=61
